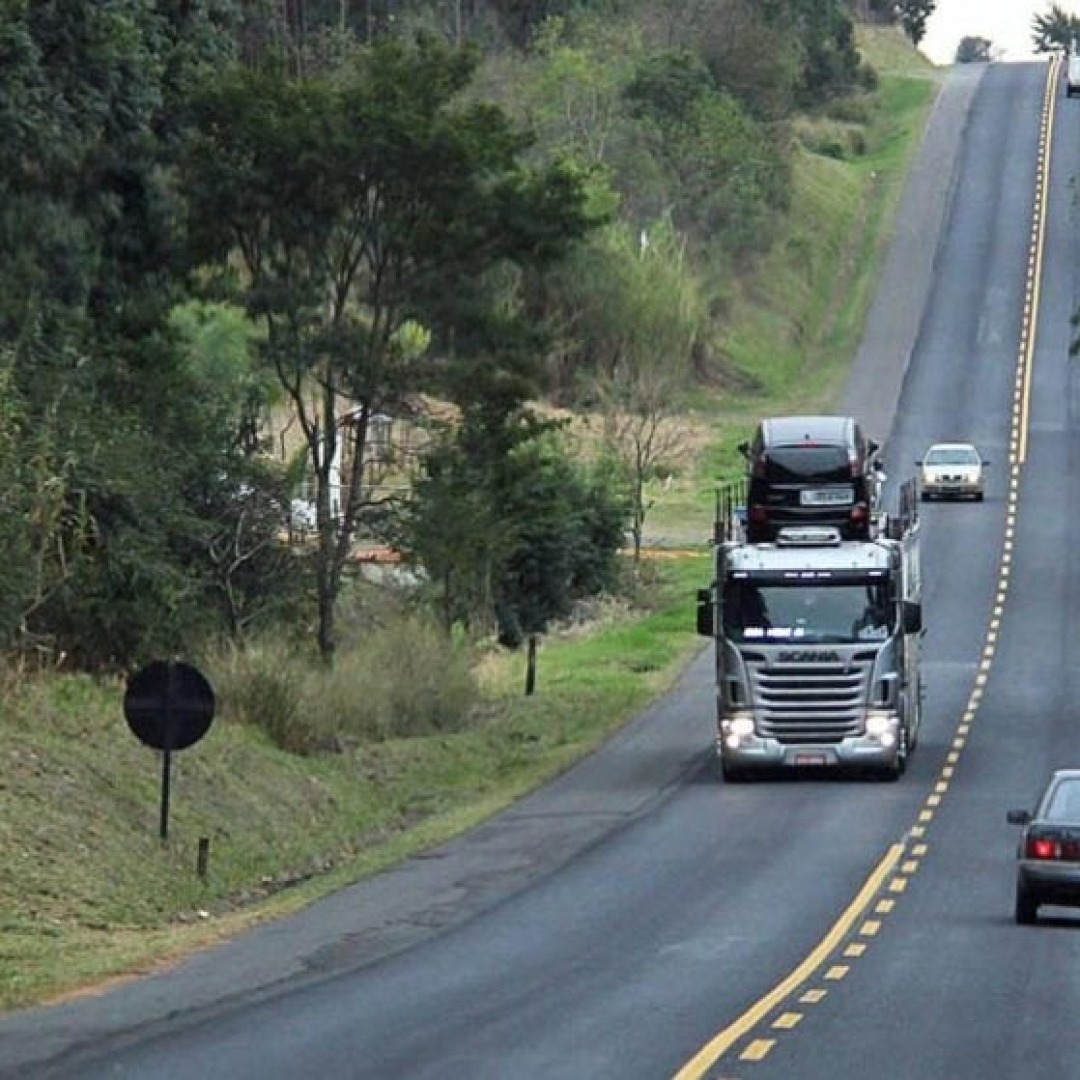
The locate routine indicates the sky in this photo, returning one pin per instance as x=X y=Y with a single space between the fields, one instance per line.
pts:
x=1005 y=23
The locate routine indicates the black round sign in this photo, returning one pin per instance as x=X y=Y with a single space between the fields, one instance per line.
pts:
x=169 y=705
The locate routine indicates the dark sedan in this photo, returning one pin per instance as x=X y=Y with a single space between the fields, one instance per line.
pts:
x=1048 y=857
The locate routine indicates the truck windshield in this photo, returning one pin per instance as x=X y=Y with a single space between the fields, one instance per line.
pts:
x=806 y=612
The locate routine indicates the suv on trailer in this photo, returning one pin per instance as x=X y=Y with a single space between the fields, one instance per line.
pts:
x=811 y=470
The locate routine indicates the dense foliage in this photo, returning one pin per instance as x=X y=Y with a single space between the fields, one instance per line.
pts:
x=216 y=208
x=1054 y=29
x=974 y=50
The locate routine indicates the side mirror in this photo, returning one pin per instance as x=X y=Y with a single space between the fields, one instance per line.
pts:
x=744 y=449
x=912 y=617
x=1018 y=817
x=706 y=623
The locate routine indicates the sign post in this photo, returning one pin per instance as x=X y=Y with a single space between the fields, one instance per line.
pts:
x=169 y=705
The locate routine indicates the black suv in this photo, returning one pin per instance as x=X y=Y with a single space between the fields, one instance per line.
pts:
x=810 y=470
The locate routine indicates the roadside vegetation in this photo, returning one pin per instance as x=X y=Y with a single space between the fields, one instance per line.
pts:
x=645 y=242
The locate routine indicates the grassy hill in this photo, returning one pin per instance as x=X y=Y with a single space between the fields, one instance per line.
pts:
x=90 y=893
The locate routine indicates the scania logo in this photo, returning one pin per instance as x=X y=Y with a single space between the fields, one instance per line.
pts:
x=809 y=656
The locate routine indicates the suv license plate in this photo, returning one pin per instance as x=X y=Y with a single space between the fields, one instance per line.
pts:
x=811 y=759
x=843 y=496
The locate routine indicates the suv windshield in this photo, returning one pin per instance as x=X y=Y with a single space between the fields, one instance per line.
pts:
x=797 y=464
x=835 y=614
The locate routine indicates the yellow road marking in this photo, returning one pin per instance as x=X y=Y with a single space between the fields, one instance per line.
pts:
x=757 y=1049
x=1039 y=236
x=711 y=1052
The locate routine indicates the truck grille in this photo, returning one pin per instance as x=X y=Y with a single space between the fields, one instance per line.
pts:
x=810 y=702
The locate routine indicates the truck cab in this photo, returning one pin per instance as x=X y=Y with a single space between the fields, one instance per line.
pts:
x=817 y=651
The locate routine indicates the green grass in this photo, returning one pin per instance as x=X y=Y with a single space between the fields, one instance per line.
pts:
x=89 y=892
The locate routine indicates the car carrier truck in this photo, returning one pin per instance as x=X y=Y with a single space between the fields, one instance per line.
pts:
x=817 y=644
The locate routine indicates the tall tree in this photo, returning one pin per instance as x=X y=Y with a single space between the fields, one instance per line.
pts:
x=508 y=526
x=974 y=50
x=1055 y=29
x=105 y=405
x=359 y=206
x=913 y=16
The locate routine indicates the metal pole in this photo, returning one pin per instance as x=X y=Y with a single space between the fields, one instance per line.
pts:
x=530 y=670
x=166 y=757
x=166 y=761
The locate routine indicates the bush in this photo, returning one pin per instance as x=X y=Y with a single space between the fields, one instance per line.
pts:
x=263 y=684
x=418 y=681
x=849 y=111
x=403 y=678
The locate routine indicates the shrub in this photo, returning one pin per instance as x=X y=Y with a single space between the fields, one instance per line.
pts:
x=849 y=111
x=263 y=684
x=402 y=678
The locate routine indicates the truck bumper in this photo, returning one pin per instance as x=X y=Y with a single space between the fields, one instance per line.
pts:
x=764 y=754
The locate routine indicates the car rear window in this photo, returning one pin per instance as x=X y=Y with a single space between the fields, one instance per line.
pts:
x=807 y=461
x=1064 y=804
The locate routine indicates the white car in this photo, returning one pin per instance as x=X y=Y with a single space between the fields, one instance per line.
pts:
x=1072 y=76
x=951 y=470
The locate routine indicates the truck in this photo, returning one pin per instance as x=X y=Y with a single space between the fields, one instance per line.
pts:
x=817 y=645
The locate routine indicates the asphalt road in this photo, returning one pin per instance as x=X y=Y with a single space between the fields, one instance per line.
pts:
x=617 y=924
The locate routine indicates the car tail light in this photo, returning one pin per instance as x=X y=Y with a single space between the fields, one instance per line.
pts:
x=1039 y=847
x=759 y=513
x=858 y=512
x=1046 y=847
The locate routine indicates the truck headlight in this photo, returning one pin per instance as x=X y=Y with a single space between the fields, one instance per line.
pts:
x=740 y=726
x=734 y=731
x=879 y=723
x=881 y=726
